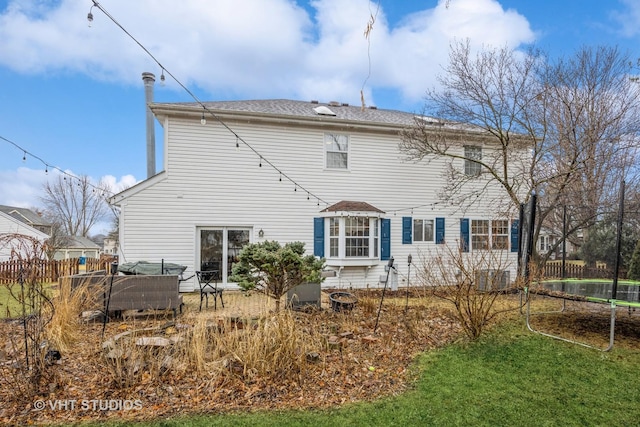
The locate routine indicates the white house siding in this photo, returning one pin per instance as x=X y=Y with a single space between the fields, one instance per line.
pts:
x=210 y=183
x=10 y=225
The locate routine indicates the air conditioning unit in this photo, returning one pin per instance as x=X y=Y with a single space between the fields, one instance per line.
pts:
x=492 y=280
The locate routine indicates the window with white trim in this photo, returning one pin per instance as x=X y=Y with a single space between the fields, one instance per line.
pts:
x=484 y=232
x=471 y=153
x=336 y=151
x=354 y=237
x=500 y=234
x=334 y=237
x=423 y=230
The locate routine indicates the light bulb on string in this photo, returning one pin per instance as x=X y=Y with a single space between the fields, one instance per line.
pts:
x=46 y=169
x=280 y=179
x=90 y=16
x=24 y=157
x=162 y=78
x=237 y=144
x=260 y=162
x=203 y=120
x=307 y=195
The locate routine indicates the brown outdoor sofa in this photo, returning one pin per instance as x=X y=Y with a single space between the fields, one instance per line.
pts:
x=129 y=292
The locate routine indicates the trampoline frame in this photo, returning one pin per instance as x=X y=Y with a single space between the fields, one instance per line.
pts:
x=613 y=304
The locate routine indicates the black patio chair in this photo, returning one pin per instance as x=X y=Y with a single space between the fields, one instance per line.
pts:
x=208 y=282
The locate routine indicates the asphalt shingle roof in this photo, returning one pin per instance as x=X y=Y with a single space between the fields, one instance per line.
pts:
x=286 y=107
x=23 y=215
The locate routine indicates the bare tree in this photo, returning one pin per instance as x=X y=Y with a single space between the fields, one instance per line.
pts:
x=591 y=115
x=565 y=130
x=75 y=203
x=490 y=94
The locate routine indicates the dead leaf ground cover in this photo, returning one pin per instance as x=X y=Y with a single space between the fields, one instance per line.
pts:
x=351 y=363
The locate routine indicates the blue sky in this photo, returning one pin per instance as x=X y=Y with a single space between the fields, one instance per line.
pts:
x=73 y=96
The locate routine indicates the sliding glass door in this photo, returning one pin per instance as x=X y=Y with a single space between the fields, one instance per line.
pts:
x=219 y=248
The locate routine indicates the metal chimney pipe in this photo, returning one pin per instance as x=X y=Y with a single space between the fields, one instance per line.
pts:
x=149 y=80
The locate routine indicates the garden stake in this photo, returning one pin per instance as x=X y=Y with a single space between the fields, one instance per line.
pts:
x=406 y=306
x=390 y=265
x=114 y=268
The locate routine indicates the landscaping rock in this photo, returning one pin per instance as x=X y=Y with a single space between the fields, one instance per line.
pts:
x=153 y=342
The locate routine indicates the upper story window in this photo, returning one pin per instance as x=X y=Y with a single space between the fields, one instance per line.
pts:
x=423 y=230
x=336 y=151
x=471 y=153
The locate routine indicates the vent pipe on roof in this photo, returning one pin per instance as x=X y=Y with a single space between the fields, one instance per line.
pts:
x=149 y=80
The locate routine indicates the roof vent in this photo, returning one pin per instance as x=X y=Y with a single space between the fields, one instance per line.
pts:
x=323 y=111
x=430 y=121
x=345 y=104
x=314 y=101
x=373 y=107
x=334 y=104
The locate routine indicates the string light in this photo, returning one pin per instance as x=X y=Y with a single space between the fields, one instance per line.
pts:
x=162 y=77
x=90 y=16
x=203 y=120
x=46 y=164
x=260 y=162
x=237 y=144
x=280 y=179
x=24 y=157
x=195 y=98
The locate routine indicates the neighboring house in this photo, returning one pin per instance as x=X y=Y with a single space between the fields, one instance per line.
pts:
x=10 y=224
x=110 y=245
x=329 y=175
x=548 y=239
x=28 y=217
x=76 y=247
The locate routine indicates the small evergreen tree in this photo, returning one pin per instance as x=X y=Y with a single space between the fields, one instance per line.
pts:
x=275 y=269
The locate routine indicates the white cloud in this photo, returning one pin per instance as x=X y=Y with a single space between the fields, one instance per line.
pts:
x=24 y=187
x=629 y=18
x=253 y=48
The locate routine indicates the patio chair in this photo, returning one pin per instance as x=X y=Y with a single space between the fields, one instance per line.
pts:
x=208 y=282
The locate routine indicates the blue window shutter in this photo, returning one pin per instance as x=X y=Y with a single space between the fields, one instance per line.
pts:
x=464 y=234
x=407 y=223
x=318 y=237
x=385 y=241
x=515 y=226
x=439 y=231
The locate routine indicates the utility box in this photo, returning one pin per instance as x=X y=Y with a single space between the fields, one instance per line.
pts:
x=305 y=296
x=492 y=280
x=392 y=274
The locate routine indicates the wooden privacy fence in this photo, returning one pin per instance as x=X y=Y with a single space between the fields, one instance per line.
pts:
x=49 y=271
x=580 y=271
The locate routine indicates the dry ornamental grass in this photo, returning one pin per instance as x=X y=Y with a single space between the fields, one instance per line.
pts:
x=242 y=357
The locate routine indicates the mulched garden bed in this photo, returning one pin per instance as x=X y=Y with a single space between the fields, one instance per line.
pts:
x=361 y=366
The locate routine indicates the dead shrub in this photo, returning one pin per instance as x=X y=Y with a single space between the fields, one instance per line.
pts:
x=470 y=281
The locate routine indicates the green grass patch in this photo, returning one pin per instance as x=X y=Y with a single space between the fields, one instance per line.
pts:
x=10 y=307
x=509 y=377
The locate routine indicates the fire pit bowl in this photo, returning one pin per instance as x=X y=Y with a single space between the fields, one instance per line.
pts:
x=342 y=301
